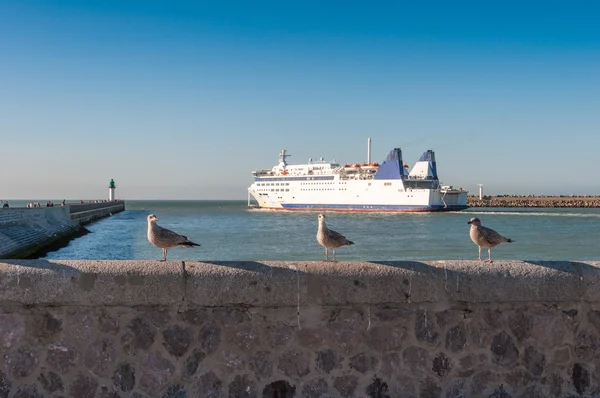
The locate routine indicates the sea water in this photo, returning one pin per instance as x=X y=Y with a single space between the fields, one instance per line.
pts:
x=229 y=230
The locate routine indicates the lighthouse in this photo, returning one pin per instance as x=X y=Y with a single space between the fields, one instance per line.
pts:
x=111 y=190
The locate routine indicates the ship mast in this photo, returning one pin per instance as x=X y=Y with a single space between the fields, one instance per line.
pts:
x=369 y=151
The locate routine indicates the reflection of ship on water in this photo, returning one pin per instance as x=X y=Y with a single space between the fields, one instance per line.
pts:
x=327 y=185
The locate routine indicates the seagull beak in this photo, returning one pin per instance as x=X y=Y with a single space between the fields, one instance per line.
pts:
x=468 y=222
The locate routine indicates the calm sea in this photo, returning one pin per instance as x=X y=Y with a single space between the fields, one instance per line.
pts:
x=229 y=230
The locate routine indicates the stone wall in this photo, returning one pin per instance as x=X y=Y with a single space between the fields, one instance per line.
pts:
x=301 y=329
x=25 y=231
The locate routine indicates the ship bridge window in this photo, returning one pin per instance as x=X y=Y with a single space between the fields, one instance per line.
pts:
x=387 y=184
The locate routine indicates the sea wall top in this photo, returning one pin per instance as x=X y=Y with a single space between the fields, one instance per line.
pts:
x=294 y=284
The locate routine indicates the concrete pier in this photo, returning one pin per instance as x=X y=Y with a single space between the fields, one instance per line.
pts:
x=299 y=329
x=25 y=231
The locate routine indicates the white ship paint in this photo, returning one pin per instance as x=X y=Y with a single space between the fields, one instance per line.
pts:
x=327 y=185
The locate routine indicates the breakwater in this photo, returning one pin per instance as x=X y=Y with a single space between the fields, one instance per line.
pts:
x=535 y=201
x=26 y=231
x=310 y=329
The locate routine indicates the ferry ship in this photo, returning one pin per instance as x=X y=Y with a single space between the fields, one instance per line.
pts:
x=368 y=187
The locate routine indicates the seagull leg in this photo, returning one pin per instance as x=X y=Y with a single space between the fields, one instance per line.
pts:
x=479 y=252
x=326 y=254
x=333 y=254
x=164 y=255
x=489 y=260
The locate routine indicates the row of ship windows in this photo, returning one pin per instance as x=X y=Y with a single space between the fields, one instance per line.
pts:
x=275 y=190
x=268 y=184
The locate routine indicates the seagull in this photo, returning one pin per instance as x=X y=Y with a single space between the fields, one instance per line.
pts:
x=485 y=237
x=165 y=238
x=330 y=239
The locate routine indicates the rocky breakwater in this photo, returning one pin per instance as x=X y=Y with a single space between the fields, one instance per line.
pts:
x=534 y=201
x=305 y=329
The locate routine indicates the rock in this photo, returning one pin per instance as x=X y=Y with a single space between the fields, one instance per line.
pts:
x=261 y=364
x=12 y=330
x=21 y=362
x=194 y=317
x=377 y=389
x=210 y=338
x=310 y=338
x=385 y=337
x=581 y=378
x=456 y=338
x=158 y=318
x=327 y=360
x=279 y=389
x=346 y=329
x=108 y=324
x=176 y=340
x=562 y=355
x=279 y=335
x=534 y=361
x=457 y=389
x=124 y=377
x=500 y=392
x=424 y=328
x=232 y=360
x=28 y=392
x=157 y=374
x=387 y=314
x=587 y=345
x=5 y=385
x=190 y=365
x=80 y=325
x=294 y=364
x=520 y=325
x=415 y=358
x=100 y=356
x=143 y=333
x=504 y=349
x=548 y=330
x=243 y=336
x=363 y=363
x=315 y=388
x=390 y=364
x=230 y=316
x=346 y=385
x=441 y=365
x=242 y=387
x=43 y=328
x=209 y=386
x=62 y=356
x=176 y=391
x=50 y=382
x=83 y=387
x=429 y=389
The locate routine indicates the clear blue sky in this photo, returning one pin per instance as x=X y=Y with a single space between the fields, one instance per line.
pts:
x=182 y=100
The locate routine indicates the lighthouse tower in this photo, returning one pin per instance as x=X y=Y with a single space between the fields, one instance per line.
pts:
x=111 y=190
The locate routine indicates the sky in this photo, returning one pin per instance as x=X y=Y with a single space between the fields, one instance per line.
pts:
x=182 y=100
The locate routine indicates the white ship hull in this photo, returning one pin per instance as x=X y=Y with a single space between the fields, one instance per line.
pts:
x=327 y=186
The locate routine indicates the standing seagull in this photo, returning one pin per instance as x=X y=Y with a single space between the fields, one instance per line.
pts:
x=330 y=239
x=165 y=238
x=485 y=237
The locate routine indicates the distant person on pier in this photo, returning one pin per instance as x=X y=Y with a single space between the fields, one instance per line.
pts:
x=63 y=203
x=5 y=205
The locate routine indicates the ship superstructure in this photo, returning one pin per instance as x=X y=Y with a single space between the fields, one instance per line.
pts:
x=328 y=185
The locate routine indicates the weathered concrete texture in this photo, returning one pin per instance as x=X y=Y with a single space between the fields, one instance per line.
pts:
x=305 y=329
x=25 y=232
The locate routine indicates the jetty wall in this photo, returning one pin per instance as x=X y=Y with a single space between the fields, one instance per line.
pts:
x=299 y=329
x=24 y=232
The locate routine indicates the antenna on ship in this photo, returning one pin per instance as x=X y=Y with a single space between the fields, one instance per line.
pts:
x=369 y=151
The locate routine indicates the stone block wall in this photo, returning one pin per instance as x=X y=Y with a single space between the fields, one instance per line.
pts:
x=301 y=329
x=25 y=231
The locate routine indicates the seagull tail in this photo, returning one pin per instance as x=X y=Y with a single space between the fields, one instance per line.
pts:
x=189 y=243
x=349 y=242
x=510 y=240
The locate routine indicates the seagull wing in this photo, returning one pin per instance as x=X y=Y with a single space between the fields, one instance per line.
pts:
x=491 y=236
x=165 y=234
x=337 y=237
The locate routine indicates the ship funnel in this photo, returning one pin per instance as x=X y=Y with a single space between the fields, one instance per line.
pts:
x=426 y=167
x=392 y=167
